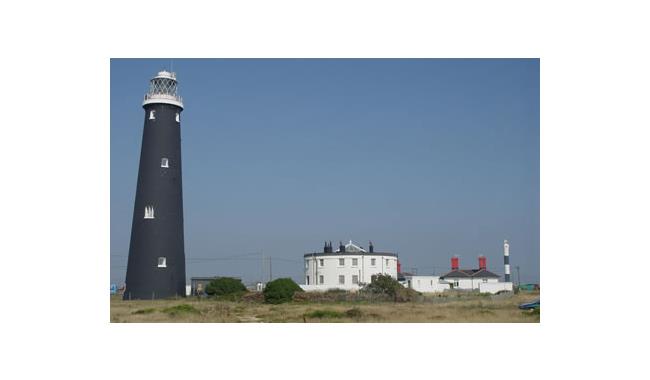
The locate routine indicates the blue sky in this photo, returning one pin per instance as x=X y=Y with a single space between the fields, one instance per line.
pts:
x=427 y=158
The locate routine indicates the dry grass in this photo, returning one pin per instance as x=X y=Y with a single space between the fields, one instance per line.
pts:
x=448 y=308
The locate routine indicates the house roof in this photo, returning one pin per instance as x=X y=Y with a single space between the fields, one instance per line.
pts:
x=469 y=273
x=340 y=254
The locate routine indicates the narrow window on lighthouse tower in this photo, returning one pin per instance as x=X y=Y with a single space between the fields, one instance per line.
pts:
x=164 y=162
x=178 y=117
x=152 y=115
x=148 y=212
x=162 y=262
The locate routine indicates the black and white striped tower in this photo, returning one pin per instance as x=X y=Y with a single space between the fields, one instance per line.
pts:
x=156 y=266
x=506 y=259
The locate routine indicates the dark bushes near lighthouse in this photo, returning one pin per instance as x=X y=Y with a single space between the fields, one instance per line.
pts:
x=225 y=286
x=280 y=290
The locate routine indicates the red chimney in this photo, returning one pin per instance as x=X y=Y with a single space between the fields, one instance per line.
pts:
x=454 y=263
x=482 y=262
x=399 y=267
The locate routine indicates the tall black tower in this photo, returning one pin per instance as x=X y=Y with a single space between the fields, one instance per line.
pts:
x=156 y=267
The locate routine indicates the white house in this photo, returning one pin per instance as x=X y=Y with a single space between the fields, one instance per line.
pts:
x=479 y=279
x=349 y=267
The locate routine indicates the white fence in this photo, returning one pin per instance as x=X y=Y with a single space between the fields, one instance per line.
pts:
x=323 y=288
x=494 y=287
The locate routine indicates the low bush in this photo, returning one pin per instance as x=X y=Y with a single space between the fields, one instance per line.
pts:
x=280 y=290
x=180 y=309
x=353 y=313
x=324 y=314
x=385 y=285
x=144 y=311
x=225 y=286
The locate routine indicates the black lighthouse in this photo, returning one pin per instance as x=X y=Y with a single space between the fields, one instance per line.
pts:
x=156 y=266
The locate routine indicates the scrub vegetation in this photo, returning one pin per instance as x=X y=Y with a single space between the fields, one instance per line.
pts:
x=331 y=307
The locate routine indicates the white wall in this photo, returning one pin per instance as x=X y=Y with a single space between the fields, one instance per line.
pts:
x=425 y=284
x=331 y=270
x=323 y=288
x=470 y=283
x=494 y=287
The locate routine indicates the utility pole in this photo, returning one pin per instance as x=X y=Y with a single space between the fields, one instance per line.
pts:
x=518 y=280
x=270 y=269
x=262 y=266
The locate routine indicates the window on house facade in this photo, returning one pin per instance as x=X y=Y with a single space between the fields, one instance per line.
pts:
x=341 y=280
x=455 y=283
x=152 y=115
x=148 y=212
x=306 y=264
x=373 y=262
x=355 y=279
x=164 y=162
x=386 y=262
x=341 y=262
x=321 y=279
x=321 y=262
x=178 y=117
x=162 y=262
x=355 y=262
x=485 y=280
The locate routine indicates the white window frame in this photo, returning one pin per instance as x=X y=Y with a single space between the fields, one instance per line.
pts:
x=485 y=280
x=386 y=263
x=164 y=162
x=162 y=262
x=149 y=212
x=341 y=262
x=321 y=262
x=355 y=262
x=321 y=279
x=152 y=115
x=341 y=279
x=355 y=279
x=373 y=262
x=178 y=117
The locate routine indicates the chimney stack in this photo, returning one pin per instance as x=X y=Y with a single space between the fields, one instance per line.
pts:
x=341 y=247
x=454 y=263
x=506 y=259
x=482 y=262
x=371 y=247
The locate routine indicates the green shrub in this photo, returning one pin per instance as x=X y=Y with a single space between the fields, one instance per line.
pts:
x=383 y=284
x=324 y=314
x=280 y=290
x=353 y=313
x=224 y=286
x=144 y=311
x=180 y=309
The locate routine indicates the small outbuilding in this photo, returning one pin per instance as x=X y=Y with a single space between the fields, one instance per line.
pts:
x=423 y=284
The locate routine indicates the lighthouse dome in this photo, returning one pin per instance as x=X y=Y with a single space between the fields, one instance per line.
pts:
x=163 y=88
